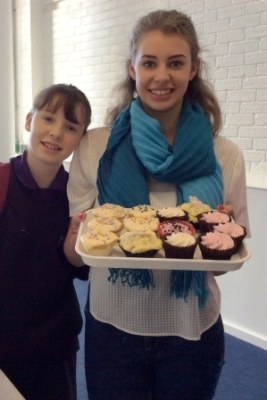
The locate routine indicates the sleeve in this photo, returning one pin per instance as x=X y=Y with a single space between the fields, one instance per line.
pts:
x=81 y=188
x=234 y=177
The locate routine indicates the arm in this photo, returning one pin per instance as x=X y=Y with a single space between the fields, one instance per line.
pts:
x=81 y=187
x=71 y=237
x=234 y=180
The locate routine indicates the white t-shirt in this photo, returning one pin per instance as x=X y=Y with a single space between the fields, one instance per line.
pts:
x=152 y=312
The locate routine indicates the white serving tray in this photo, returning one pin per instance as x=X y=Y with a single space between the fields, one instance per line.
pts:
x=117 y=259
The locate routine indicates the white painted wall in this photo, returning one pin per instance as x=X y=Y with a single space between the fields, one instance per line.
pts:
x=7 y=98
x=85 y=42
x=244 y=292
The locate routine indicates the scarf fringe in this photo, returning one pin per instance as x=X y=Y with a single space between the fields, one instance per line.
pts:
x=141 y=278
x=182 y=282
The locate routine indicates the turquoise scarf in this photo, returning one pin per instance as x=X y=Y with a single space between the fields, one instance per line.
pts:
x=137 y=147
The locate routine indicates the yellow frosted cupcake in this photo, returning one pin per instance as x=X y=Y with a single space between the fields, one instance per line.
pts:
x=140 y=244
x=133 y=223
x=98 y=244
x=109 y=210
x=142 y=211
x=194 y=207
x=103 y=224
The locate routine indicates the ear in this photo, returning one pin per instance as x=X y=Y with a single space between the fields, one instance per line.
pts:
x=194 y=69
x=131 y=69
x=28 y=121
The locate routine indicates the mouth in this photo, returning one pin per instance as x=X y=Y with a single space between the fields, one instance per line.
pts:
x=161 y=92
x=51 y=146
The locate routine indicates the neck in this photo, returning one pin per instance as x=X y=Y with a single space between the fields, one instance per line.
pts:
x=43 y=174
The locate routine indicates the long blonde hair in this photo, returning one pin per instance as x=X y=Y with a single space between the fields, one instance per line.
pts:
x=171 y=21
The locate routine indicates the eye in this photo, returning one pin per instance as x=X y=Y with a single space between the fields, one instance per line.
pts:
x=175 y=64
x=149 y=64
x=71 y=128
x=47 y=118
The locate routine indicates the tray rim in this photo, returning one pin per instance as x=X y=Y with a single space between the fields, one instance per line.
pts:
x=160 y=262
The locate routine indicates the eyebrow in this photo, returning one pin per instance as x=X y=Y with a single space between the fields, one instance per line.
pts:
x=170 y=58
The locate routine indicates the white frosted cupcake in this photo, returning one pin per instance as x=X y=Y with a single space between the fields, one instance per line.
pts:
x=170 y=213
x=179 y=245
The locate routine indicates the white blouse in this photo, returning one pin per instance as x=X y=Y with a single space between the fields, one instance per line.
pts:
x=152 y=312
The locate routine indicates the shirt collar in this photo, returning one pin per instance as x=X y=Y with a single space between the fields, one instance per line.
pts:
x=24 y=175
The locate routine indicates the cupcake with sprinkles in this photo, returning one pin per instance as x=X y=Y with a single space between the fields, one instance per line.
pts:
x=166 y=228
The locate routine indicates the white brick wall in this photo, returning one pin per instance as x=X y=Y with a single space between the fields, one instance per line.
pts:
x=86 y=42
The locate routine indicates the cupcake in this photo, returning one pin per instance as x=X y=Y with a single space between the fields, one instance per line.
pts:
x=216 y=246
x=194 y=207
x=98 y=243
x=109 y=210
x=140 y=243
x=133 y=223
x=142 y=211
x=179 y=245
x=236 y=231
x=166 y=228
x=103 y=224
x=169 y=213
x=208 y=220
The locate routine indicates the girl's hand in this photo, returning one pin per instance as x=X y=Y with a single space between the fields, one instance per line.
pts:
x=70 y=241
x=226 y=208
x=75 y=222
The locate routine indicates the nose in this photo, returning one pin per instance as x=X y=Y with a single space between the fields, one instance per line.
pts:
x=162 y=73
x=57 y=131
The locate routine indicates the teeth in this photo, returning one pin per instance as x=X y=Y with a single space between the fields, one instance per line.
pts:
x=51 y=146
x=161 y=92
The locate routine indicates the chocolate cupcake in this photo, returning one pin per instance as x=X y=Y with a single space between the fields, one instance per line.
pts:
x=140 y=244
x=170 y=213
x=165 y=228
x=216 y=246
x=236 y=231
x=179 y=245
x=208 y=220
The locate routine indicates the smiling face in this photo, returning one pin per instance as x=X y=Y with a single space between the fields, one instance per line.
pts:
x=162 y=70
x=53 y=137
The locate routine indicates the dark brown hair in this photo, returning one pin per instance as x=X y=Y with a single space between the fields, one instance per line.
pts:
x=68 y=97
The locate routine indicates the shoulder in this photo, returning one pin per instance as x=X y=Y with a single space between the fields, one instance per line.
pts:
x=222 y=143
x=96 y=135
x=227 y=151
x=93 y=143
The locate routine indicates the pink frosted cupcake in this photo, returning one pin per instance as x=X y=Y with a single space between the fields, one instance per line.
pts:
x=236 y=231
x=216 y=246
x=179 y=245
x=208 y=220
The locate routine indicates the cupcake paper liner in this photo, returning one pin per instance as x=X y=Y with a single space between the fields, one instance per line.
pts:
x=179 y=252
